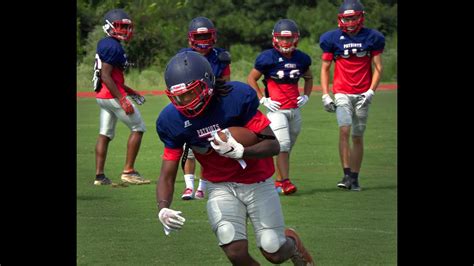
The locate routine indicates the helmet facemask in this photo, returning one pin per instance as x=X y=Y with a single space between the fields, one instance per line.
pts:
x=190 y=99
x=351 y=21
x=285 y=41
x=119 y=29
x=202 y=40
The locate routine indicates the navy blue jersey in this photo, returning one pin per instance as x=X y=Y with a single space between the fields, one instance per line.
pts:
x=111 y=52
x=353 y=58
x=340 y=44
x=235 y=109
x=281 y=69
x=217 y=66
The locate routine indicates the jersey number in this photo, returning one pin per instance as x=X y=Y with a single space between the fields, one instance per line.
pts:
x=295 y=73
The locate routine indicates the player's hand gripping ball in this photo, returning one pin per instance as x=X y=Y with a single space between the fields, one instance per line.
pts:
x=230 y=142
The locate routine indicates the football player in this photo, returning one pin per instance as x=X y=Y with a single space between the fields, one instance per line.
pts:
x=199 y=108
x=114 y=97
x=282 y=67
x=202 y=36
x=357 y=55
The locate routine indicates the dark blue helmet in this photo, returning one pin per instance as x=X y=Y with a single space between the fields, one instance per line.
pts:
x=118 y=24
x=351 y=16
x=285 y=35
x=190 y=82
x=202 y=34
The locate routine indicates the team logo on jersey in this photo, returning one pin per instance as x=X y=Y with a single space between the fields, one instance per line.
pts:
x=280 y=59
x=290 y=65
x=207 y=131
x=187 y=124
x=341 y=38
x=352 y=45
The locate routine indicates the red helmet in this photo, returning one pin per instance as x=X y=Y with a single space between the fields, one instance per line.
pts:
x=285 y=35
x=351 y=16
x=202 y=34
x=118 y=24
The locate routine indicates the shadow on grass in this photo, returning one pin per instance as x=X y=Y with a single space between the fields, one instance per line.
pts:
x=306 y=192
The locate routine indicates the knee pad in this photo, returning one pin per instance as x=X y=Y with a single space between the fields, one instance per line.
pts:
x=269 y=241
x=225 y=232
x=285 y=146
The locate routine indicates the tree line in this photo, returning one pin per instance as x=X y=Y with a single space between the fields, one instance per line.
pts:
x=244 y=26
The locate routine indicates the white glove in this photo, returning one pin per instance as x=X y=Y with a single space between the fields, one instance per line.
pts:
x=231 y=148
x=367 y=98
x=329 y=105
x=171 y=220
x=271 y=105
x=302 y=100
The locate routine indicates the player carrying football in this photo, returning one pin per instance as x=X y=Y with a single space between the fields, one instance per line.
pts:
x=200 y=107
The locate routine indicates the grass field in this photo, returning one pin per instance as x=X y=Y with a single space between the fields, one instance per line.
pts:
x=119 y=226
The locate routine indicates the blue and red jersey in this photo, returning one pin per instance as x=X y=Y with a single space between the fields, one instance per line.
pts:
x=238 y=108
x=353 y=58
x=219 y=68
x=282 y=75
x=111 y=52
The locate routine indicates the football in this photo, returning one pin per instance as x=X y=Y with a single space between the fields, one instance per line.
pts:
x=242 y=135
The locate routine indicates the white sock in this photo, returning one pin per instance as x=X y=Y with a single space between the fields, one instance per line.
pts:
x=202 y=185
x=189 y=179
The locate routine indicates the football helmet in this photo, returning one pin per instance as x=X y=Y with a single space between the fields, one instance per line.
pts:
x=189 y=82
x=285 y=35
x=118 y=24
x=350 y=17
x=202 y=34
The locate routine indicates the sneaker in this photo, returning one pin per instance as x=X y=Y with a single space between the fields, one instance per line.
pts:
x=286 y=186
x=134 y=178
x=199 y=194
x=302 y=256
x=345 y=182
x=102 y=181
x=355 y=184
x=187 y=194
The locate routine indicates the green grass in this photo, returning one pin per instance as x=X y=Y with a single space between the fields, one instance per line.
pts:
x=118 y=226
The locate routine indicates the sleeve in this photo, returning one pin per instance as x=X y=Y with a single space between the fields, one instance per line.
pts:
x=226 y=71
x=249 y=106
x=258 y=122
x=378 y=43
x=306 y=62
x=110 y=53
x=164 y=132
x=172 y=154
x=263 y=63
x=326 y=46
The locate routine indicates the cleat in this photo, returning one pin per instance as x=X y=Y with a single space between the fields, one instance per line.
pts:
x=134 y=178
x=102 y=181
x=355 y=184
x=345 y=182
x=301 y=256
x=187 y=194
x=199 y=194
x=285 y=186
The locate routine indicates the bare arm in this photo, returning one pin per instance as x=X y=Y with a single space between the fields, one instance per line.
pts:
x=377 y=71
x=252 y=79
x=106 y=77
x=265 y=148
x=325 y=68
x=165 y=184
x=308 y=82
